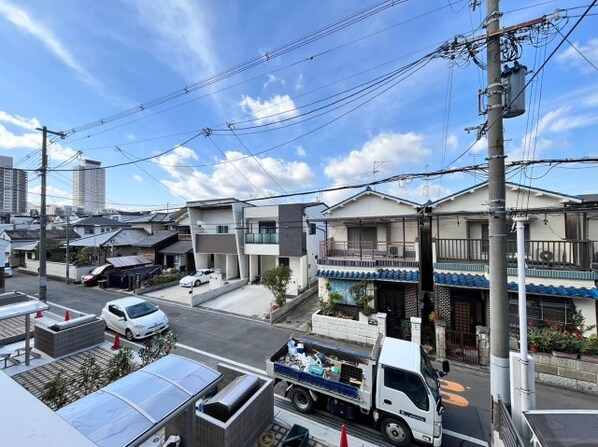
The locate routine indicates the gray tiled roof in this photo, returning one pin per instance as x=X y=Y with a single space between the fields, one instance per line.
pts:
x=178 y=248
x=121 y=237
x=156 y=238
x=33 y=235
x=152 y=218
x=101 y=221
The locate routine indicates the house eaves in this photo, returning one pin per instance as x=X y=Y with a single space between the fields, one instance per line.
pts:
x=369 y=191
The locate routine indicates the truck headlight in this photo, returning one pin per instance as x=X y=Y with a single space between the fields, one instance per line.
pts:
x=437 y=429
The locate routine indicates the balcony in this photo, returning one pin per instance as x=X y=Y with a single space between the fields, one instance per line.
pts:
x=551 y=255
x=368 y=254
x=261 y=238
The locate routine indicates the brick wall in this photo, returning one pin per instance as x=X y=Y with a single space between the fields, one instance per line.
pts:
x=352 y=330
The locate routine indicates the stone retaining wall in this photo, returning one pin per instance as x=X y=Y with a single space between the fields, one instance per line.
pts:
x=283 y=311
x=568 y=373
x=343 y=329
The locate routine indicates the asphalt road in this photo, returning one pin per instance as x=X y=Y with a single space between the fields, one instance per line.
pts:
x=208 y=336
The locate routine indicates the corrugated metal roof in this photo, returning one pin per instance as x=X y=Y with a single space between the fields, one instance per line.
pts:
x=128 y=261
x=178 y=248
x=151 y=218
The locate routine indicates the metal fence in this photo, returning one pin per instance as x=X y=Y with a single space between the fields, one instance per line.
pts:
x=462 y=346
x=506 y=430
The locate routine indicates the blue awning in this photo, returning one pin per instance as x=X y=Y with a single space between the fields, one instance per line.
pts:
x=123 y=412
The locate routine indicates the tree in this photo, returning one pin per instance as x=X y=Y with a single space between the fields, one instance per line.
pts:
x=361 y=298
x=120 y=365
x=89 y=378
x=157 y=347
x=55 y=391
x=84 y=257
x=276 y=281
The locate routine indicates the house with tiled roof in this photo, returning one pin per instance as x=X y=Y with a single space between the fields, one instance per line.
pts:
x=151 y=222
x=89 y=226
x=120 y=242
x=23 y=242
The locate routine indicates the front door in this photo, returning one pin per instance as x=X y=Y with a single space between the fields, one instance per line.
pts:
x=391 y=299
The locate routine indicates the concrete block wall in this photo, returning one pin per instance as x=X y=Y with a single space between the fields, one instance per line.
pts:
x=283 y=311
x=568 y=373
x=440 y=328
x=66 y=341
x=246 y=425
x=352 y=330
x=196 y=300
x=483 y=333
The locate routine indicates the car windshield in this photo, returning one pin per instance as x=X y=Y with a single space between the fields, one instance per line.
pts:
x=140 y=310
x=430 y=376
x=99 y=270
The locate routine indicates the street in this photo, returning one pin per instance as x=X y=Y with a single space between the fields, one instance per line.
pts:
x=210 y=337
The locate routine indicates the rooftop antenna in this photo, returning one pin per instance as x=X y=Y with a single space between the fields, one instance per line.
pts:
x=475 y=173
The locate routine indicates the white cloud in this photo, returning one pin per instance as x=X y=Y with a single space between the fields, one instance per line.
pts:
x=271 y=79
x=421 y=193
x=137 y=178
x=276 y=109
x=393 y=149
x=300 y=151
x=25 y=23
x=572 y=57
x=183 y=38
x=9 y=140
x=452 y=142
x=19 y=121
x=225 y=179
x=480 y=146
x=131 y=136
x=591 y=101
x=55 y=196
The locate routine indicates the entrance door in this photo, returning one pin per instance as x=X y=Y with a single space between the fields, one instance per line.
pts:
x=391 y=299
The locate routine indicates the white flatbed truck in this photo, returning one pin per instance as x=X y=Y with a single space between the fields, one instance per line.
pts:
x=395 y=384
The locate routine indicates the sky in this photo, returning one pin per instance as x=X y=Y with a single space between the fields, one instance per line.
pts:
x=192 y=100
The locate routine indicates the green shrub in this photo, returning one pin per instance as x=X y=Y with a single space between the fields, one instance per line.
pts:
x=590 y=346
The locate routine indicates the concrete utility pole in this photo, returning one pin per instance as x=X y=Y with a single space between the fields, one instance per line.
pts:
x=499 y=316
x=68 y=252
x=43 y=290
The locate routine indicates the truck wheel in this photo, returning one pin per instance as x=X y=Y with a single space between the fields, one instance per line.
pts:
x=302 y=399
x=395 y=432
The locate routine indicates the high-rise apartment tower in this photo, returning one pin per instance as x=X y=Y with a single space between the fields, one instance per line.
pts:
x=89 y=186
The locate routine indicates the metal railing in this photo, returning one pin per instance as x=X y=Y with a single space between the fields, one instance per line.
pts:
x=367 y=250
x=261 y=238
x=564 y=255
x=506 y=429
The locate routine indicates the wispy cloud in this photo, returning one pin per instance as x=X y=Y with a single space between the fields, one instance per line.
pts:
x=270 y=111
x=19 y=121
x=300 y=151
x=138 y=178
x=183 y=39
x=572 y=57
x=272 y=79
x=24 y=22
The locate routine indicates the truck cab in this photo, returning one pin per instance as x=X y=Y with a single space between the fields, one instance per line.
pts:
x=407 y=400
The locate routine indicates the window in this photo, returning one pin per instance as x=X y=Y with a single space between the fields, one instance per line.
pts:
x=541 y=308
x=268 y=227
x=222 y=229
x=407 y=383
x=88 y=230
x=284 y=261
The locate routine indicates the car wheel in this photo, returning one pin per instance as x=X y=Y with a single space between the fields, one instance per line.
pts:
x=395 y=432
x=129 y=334
x=197 y=283
x=301 y=399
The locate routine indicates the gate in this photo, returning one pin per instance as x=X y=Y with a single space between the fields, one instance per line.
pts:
x=462 y=346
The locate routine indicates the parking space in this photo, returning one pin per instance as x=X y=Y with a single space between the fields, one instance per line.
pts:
x=178 y=294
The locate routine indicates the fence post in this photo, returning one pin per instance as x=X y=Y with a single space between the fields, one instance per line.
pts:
x=483 y=336
x=440 y=328
x=416 y=330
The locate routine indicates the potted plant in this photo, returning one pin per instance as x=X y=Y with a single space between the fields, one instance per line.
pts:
x=535 y=338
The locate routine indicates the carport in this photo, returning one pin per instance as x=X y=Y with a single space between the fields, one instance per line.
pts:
x=129 y=411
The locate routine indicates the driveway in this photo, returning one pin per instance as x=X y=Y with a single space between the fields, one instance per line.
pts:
x=250 y=300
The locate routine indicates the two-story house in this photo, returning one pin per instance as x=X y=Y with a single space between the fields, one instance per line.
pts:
x=282 y=234
x=559 y=252
x=372 y=237
x=217 y=234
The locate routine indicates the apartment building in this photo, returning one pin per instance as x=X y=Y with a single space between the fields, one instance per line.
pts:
x=13 y=188
x=89 y=186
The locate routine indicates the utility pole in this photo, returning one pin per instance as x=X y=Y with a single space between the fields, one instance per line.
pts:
x=68 y=253
x=43 y=289
x=499 y=317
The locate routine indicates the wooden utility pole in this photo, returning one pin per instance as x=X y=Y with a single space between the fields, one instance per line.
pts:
x=43 y=289
x=499 y=299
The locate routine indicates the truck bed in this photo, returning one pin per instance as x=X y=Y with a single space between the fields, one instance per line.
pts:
x=345 y=391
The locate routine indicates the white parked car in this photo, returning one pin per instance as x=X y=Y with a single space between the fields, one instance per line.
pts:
x=197 y=279
x=134 y=317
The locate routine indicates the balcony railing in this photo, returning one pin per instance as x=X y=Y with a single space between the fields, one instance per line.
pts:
x=559 y=255
x=261 y=238
x=367 y=250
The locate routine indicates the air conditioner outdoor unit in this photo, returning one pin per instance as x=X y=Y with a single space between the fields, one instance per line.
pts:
x=395 y=251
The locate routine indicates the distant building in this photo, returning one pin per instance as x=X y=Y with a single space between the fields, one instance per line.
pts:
x=89 y=186
x=13 y=188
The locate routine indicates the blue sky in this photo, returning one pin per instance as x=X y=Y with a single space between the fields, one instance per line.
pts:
x=68 y=63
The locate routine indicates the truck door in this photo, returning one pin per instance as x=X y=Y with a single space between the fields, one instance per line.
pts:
x=403 y=393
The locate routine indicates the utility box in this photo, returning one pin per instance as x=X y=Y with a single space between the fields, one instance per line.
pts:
x=215 y=280
x=514 y=90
